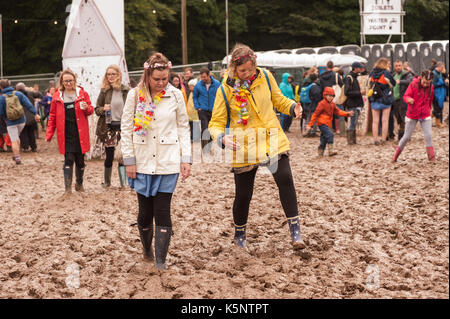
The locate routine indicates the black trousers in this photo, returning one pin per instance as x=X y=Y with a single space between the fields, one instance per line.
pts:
x=28 y=138
x=399 y=109
x=437 y=111
x=71 y=158
x=157 y=207
x=204 y=117
x=245 y=182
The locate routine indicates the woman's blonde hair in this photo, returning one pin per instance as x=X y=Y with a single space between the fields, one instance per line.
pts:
x=157 y=61
x=382 y=63
x=310 y=71
x=241 y=54
x=117 y=83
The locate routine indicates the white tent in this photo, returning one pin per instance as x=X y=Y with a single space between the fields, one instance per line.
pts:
x=95 y=39
x=293 y=60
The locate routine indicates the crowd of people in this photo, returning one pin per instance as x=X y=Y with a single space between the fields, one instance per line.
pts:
x=385 y=93
x=150 y=126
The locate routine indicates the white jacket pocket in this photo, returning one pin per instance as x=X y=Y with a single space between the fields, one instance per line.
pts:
x=138 y=139
x=168 y=149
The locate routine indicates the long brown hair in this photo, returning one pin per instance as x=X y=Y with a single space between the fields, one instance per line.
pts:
x=382 y=63
x=117 y=83
x=241 y=54
x=67 y=71
x=157 y=61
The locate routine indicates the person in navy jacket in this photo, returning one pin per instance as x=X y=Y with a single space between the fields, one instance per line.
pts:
x=204 y=97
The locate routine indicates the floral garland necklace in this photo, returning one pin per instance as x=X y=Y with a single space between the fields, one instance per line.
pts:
x=145 y=112
x=242 y=91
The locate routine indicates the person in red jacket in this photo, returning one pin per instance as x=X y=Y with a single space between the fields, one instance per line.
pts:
x=324 y=116
x=69 y=110
x=419 y=97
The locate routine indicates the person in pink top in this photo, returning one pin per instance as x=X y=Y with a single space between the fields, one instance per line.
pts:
x=419 y=97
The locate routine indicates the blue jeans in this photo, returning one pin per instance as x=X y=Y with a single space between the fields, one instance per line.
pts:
x=353 y=119
x=326 y=136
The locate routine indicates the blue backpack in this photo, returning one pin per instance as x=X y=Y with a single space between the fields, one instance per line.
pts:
x=304 y=94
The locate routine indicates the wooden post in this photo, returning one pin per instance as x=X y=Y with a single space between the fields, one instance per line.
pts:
x=184 y=32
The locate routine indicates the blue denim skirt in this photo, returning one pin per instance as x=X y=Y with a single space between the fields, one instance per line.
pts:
x=150 y=185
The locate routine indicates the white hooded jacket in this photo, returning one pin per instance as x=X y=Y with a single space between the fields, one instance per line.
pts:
x=167 y=143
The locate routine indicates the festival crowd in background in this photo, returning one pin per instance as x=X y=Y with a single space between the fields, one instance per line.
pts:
x=151 y=125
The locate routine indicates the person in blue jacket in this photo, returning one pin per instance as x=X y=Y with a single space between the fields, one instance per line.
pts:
x=286 y=89
x=204 y=96
x=440 y=89
x=14 y=127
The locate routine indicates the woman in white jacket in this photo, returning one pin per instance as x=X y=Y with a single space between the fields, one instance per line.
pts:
x=156 y=147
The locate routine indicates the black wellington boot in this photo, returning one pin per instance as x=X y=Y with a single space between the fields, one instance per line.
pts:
x=162 y=241
x=79 y=172
x=349 y=138
x=107 y=176
x=146 y=235
x=354 y=137
x=68 y=175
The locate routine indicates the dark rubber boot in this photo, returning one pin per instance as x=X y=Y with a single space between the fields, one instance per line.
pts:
x=68 y=175
x=107 y=176
x=79 y=172
x=162 y=241
x=349 y=138
x=354 y=137
x=296 y=236
x=146 y=235
x=240 y=238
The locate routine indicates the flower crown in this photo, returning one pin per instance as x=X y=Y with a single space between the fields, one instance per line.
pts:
x=157 y=65
x=244 y=56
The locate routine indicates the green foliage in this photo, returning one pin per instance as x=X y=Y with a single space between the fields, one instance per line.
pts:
x=36 y=46
x=142 y=29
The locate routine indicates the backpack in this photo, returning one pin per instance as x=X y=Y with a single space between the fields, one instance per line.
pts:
x=376 y=92
x=304 y=94
x=337 y=90
x=342 y=97
x=228 y=104
x=14 y=110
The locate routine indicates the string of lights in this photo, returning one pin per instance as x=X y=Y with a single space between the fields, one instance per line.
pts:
x=20 y=20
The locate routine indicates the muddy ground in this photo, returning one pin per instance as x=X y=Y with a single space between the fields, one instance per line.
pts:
x=373 y=229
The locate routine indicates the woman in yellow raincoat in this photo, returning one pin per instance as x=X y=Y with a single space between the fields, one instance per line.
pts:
x=244 y=121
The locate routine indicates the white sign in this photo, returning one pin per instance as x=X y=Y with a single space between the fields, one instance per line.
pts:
x=382 y=6
x=382 y=24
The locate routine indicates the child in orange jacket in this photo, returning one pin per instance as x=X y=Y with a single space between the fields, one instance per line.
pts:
x=324 y=116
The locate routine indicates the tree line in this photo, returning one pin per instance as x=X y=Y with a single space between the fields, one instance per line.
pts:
x=34 y=44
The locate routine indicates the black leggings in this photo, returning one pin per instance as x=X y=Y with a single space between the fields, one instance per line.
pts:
x=110 y=157
x=157 y=207
x=244 y=183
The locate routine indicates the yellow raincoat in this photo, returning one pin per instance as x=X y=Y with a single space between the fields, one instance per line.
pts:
x=262 y=138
